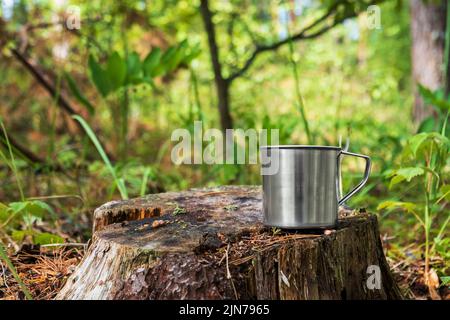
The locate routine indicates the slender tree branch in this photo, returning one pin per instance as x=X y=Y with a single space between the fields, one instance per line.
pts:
x=59 y=97
x=29 y=156
x=21 y=151
x=222 y=85
x=301 y=35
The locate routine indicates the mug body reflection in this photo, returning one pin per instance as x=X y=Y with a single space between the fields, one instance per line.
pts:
x=303 y=193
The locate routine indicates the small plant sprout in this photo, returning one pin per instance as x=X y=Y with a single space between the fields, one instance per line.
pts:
x=275 y=231
x=231 y=207
x=423 y=165
x=178 y=210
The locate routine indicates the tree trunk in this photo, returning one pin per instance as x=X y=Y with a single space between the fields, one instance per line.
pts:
x=211 y=244
x=428 y=41
x=222 y=85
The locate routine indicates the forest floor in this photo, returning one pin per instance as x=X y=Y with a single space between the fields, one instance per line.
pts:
x=44 y=271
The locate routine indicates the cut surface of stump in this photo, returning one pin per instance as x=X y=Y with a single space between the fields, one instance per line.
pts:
x=211 y=244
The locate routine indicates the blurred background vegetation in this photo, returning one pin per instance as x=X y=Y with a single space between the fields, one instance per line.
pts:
x=133 y=71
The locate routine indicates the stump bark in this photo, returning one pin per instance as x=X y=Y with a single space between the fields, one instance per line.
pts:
x=211 y=244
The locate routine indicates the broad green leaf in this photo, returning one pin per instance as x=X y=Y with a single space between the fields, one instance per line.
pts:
x=177 y=57
x=46 y=238
x=19 y=235
x=151 y=62
x=435 y=98
x=39 y=208
x=116 y=70
x=396 y=180
x=427 y=125
x=445 y=280
x=410 y=172
x=405 y=174
x=77 y=93
x=134 y=68
x=166 y=61
x=18 y=206
x=407 y=206
x=35 y=209
x=99 y=77
x=416 y=141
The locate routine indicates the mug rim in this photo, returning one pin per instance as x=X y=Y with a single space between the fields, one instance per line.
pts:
x=299 y=146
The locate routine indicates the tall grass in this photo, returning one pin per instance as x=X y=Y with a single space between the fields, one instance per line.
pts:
x=12 y=163
x=13 y=270
x=3 y=255
x=300 y=102
x=118 y=181
x=144 y=182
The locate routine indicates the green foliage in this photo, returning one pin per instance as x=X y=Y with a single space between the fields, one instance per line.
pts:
x=99 y=76
x=28 y=212
x=145 y=177
x=11 y=162
x=12 y=215
x=121 y=72
x=151 y=62
x=441 y=106
x=445 y=280
x=178 y=210
x=41 y=238
x=429 y=153
x=405 y=174
x=116 y=71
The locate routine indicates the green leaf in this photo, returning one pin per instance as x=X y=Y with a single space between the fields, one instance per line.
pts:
x=445 y=280
x=407 y=206
x=77 y=93
x=18 y=206
x=99 y=77
x=39 y=208
x=410 y=172
x=167 y=61
x=405 y=174
x=435 y=98
x=47 y=238
x=116 y=70
x=177 y=57
x=134 y=68
x=427 y=125
x=151 y=62
x=19 y=235
x=396 y=180
x=416 y=141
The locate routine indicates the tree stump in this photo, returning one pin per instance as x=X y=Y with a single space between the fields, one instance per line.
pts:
x=211 y=244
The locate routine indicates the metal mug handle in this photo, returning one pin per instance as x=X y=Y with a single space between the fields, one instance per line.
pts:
x=363 y=181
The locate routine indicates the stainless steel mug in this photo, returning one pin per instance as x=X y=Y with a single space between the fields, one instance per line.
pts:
x=303 y=193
